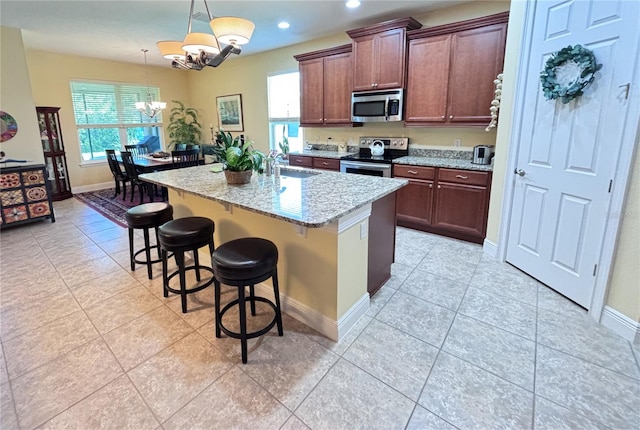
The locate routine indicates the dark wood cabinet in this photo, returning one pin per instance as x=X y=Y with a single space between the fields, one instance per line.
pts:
x=325 y=87
x=54 y=153
x=300 y=160
x=451 y=69
x=379 y=54
x=451 y=202
x=326 y=163
x=315 y=162
x=24 y=195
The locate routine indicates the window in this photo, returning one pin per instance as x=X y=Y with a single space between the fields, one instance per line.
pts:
x=107 y=118
x=284 y=110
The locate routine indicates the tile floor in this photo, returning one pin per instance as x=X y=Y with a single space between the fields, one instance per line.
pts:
x=453 y=340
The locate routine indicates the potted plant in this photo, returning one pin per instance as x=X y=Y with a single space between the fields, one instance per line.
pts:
x=183 y=125
x=239 y=158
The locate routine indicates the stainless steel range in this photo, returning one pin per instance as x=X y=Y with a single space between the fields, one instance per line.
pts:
x=375 y=156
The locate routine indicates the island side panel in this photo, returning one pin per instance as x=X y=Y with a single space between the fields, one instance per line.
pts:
x=382 y=241
x=308 y=263
x=352 y=271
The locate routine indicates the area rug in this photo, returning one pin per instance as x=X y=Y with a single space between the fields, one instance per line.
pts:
x=112 y=208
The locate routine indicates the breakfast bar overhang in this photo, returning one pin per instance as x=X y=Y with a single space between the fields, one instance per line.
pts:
x=322 y=224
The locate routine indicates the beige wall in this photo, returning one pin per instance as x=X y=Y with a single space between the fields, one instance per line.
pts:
x=16 y=99
x=50 y=76
x=624 y=285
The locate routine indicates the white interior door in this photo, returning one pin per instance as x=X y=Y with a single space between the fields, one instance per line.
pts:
x=568 y=152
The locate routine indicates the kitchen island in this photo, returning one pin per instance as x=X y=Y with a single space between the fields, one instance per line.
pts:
x=335 y=233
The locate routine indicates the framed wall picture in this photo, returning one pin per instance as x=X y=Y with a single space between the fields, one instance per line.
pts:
x=230 y=112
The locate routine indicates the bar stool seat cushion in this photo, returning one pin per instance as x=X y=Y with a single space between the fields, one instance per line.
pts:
x=184 y=232
x=244 y=259
x=149 y=214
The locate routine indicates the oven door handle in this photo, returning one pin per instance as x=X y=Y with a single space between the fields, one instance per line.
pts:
x=364 y=165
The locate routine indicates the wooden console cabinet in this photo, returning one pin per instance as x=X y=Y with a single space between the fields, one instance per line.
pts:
x=54 y=153
x=451 y=69
x=24 y=195
x=451 y=202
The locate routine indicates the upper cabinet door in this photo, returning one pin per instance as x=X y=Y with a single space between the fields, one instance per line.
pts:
x=389 y=66
x=311 y=91
x=427 y=79
x=477 y=58
x=338 y=79
x=364 y=57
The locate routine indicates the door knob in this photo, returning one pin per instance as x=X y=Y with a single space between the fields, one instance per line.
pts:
x=520 y=172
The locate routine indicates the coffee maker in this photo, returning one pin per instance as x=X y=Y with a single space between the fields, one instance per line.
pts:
x=482 y=154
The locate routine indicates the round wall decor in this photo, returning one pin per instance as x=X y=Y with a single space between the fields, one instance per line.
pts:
x=567 y=72
x=8 y=126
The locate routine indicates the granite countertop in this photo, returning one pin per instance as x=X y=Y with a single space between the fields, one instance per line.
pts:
x=453 y=163
x=322 y=153
x=314 y=201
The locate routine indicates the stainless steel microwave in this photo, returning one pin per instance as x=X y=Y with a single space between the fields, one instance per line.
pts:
x=377 y=106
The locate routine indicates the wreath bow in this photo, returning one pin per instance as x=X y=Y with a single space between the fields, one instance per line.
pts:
x=568 y=72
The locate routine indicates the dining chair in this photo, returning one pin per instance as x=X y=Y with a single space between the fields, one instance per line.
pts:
x=118 y=175
x=132 y=173
x=185 y=158
x=137 y=150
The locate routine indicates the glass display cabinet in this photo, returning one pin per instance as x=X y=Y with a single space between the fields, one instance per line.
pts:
x=55 y=159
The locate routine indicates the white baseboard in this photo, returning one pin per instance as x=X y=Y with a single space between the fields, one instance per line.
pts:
x=621 y=324
x=92 y=187
x=490 y=248
x=332 y=329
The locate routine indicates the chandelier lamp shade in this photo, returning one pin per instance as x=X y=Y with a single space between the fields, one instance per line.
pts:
x=149 y=107
x=198 y=50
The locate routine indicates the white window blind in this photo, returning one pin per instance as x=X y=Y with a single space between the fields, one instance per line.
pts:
x=106 y=116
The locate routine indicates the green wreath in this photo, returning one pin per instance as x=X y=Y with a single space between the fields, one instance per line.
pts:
x=568 y=72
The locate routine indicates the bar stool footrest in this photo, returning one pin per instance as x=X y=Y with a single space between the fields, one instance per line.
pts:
x=157 y=260
x=191 y=290
x=254 y=334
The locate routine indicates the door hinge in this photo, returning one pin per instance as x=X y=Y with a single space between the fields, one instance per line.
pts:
x=595 y=269
x=610 y=185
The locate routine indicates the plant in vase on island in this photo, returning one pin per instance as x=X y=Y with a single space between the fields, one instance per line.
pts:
x=238 y=157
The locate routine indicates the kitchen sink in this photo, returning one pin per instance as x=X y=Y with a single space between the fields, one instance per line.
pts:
x=297 y=173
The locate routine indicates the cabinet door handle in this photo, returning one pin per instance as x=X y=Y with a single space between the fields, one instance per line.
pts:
x=439 y=187
x=462 y=177
x=413 y=172
x=298 y=161
x=443 y=116
x=450 y=116
x=373 y=85
x=324 y=163
x=430 y=185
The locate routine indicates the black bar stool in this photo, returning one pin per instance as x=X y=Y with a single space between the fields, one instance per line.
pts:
x=144 y=217
x=179 y=236
x=240 y=263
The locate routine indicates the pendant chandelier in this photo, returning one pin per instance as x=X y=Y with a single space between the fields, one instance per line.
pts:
x=149 y=107
x=198 y=50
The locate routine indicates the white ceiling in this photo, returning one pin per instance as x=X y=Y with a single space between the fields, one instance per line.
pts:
x=119 y=29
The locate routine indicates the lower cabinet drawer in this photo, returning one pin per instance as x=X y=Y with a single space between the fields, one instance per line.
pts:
x=414 y=172
x=326 y=163
x=463 y=176
x=299 y=160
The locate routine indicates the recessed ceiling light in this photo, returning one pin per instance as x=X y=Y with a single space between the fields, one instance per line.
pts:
x=353 y=3
x=283 y=25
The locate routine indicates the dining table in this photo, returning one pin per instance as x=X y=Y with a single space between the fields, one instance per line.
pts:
x=149 y=164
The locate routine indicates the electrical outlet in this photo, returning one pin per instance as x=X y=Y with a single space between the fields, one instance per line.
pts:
x=457 y=143
x=364 y=230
